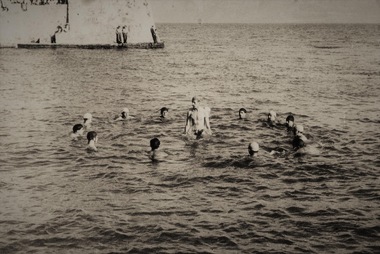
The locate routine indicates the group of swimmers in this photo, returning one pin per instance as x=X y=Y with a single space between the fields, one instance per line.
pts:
x=197 y=126
x=297 y=131
x=79 y=129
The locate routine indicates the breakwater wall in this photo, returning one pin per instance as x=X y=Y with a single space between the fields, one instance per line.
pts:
x=90 y=22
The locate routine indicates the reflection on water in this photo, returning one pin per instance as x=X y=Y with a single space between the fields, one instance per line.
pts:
x=209 y=196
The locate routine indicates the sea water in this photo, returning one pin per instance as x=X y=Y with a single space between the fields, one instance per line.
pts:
x=208 y=197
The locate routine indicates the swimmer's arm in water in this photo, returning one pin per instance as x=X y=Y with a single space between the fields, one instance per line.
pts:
x=274 y=151
x=207 y=124
x=74 y=136
x=123 y=119
x=187 y=126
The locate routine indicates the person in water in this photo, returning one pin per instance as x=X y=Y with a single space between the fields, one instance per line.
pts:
x=298 y=143
x=298 y=132
x=197 y=120
x=155 y=154
x=242 y=113
x=290 y=123
x=124 y=115
x=87 y=120
x=301 y=145
x=92 y=138
x=164 y=112
x=253 y=149
x=77 y=131
x=272 y=118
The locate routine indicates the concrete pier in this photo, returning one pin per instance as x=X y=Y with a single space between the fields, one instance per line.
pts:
x=78 y=24
x=93 y=46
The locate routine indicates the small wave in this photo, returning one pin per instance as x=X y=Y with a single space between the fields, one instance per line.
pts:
x=370 y=232
x=166 y=213
x=327 y=47
x=114 y=235
x=109 y=175
x=367 y=120
x=295 y=210
x=370 y=73
x=218 y=241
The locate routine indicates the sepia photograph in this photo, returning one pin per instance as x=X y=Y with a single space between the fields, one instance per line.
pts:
x=189 y=126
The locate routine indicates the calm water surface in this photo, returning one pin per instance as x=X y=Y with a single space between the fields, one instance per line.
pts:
x=208 y=197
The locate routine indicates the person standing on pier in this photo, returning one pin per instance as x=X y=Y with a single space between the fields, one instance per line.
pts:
x=118 y=35
x=153 y=31
x=125 y=34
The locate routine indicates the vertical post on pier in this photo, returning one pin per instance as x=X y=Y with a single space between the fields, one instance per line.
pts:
x=67 y=12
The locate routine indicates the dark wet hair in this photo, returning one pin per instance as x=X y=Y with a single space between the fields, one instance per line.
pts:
x=243 y=109
x=290 y=118
x=298 y=143
x=155 y=143
x=77 y=127
x=91 y=135
x=195 y=98
x=164 y=109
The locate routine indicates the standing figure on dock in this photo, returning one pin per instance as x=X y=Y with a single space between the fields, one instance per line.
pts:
x=53 y=38
x=125 y=34
x=118 y=35
x=153 y=31
x=66 y=28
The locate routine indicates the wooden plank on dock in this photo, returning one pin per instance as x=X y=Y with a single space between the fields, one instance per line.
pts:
x=145 y=45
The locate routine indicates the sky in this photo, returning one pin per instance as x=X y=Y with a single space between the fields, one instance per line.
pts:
x=266 y=11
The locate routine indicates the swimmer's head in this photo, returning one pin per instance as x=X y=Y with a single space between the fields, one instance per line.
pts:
x=272 y=115
x=87 y=118
x=92 y=135
x=124 y=113
x=195 y=102
x=155 y=143
x=298 y=143
x=253 y=148
x=299 y=129
x=78 y=128
x=290 y=120
x=164 y=111
x=242 y=113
